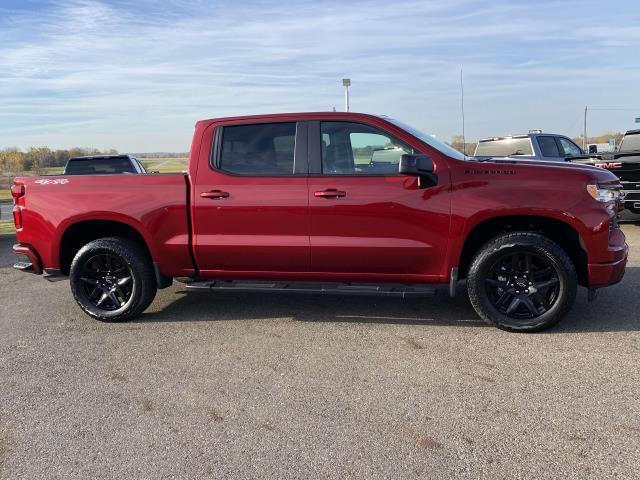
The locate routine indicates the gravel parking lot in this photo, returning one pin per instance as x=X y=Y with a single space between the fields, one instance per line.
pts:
x=257 y=386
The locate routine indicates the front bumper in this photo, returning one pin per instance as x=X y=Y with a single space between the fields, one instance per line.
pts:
x=34 y=265
x=604 y=274
x=631 y=194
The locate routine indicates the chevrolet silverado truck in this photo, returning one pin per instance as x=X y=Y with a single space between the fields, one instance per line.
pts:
x=341 y=203
x=625 y=164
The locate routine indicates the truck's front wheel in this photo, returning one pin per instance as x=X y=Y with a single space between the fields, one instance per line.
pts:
x=522 y=281
x=112 y=279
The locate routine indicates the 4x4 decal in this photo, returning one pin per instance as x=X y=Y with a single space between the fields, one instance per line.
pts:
x=52 y=181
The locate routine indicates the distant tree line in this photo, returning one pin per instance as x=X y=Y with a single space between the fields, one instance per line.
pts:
x=604 y=138
x=38 y=159
x=468 y=148
x=161 y=155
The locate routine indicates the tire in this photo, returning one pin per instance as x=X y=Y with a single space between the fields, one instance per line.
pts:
x=528 y=294
x=112 y=279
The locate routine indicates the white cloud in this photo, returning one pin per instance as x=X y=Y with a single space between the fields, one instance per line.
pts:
x=108 y=75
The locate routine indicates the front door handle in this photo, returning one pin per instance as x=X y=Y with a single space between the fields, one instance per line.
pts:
x=330 y=193
x=215 y=195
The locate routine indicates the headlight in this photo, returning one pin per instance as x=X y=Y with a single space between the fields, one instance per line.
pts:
x=605 y=193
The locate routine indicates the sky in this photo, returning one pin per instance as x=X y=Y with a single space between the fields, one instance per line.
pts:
x=135 y=76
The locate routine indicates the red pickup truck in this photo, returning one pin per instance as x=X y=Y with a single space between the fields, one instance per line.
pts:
x=329 y=203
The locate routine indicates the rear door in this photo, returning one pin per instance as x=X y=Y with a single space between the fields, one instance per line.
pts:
x=250 y=203
x=367 y=221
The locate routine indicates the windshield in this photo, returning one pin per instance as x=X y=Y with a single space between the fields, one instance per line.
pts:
x=504 y=147
x=630 y=143
x=428 y=139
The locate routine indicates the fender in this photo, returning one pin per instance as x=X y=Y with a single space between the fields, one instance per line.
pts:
x=461 y=227
x=99 y=216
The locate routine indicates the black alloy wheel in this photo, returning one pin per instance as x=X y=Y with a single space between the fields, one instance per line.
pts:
x=522 y=282
x=108 y=281
x=522 y=285
x=113 y=279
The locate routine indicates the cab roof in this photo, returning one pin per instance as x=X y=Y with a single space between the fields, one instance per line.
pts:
x=294 y=116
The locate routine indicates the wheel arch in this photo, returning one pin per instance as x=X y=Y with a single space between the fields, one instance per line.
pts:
x=562 y=233
x=83 y=231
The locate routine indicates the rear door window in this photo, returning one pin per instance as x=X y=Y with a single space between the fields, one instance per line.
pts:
x=548 y=147
x=265 y=149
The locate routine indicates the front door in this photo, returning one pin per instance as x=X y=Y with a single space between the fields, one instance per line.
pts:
x=250 y=204
x=366 y=220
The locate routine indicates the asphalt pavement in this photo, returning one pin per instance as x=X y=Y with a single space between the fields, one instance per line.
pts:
x=231 y=385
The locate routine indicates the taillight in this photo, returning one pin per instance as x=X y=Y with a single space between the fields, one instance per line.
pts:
x=17 y=216
x=17 y=191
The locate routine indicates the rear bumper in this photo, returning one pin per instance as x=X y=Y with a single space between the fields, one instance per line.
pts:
x=32 y=255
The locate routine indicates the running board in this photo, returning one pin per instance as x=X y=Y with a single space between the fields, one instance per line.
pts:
x=324 y=288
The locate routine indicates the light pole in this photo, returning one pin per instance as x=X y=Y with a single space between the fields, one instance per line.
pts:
x=346 y=83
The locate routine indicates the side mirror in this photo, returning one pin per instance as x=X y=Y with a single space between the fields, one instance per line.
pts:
x=593 y=149
x=415 y=165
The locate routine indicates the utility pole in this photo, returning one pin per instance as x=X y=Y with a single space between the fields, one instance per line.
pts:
x=346 y=83
x=584 y=131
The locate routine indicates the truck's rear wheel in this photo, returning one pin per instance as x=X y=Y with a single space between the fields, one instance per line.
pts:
x=112 y=279
x=522 y=281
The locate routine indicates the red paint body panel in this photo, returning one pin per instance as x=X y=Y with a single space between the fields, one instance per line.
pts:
x=260 y=226
x=385 y=228
x=154 y=205
x=382 y=225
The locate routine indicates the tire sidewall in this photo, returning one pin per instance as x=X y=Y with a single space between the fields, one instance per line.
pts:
x=480 y=296
x=77 y=288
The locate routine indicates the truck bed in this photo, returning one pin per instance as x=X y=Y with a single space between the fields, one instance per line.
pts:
x=153 y=204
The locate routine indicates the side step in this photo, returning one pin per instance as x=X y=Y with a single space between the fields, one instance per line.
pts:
x=324 y=288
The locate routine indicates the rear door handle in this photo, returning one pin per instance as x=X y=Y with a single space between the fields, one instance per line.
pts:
x=330 y=193
x=215 y=195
